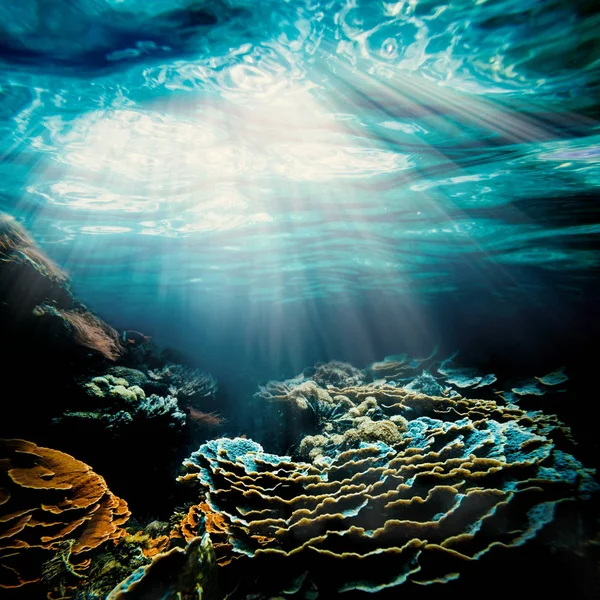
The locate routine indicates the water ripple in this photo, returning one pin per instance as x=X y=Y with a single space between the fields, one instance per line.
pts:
x=291 y=150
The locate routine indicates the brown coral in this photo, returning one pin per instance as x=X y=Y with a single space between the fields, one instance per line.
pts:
x=437 y=485
x=17 y=245
x=35 y=290
x=47 y=499
x=89 y=331
x=150 y=546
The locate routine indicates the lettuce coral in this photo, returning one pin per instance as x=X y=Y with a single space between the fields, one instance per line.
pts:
x=416 y=497
x=51 y=503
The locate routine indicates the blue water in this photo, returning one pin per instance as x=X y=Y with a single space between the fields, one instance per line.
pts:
x=272 y=183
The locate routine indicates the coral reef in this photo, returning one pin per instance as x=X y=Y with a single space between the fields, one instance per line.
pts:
x=145 y=430
x=54 y=510
x=399 y=368
x=426 y=384
x=179 y=574
x=338 y=374
x=395 y=488
x=114 y=404
x=185 y=382
x=195 y=390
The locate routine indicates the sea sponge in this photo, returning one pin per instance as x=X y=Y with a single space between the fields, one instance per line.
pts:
x=312 y=446
x=94 y=390
x=369 y=403
x=132 y=376
x=309 y=391
x=337 y=374
x=400 y=422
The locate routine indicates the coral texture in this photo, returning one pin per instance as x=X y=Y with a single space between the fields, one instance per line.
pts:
x=115 y=404
x=185 y=382
x=179 y=574
x=417 y=497
x=51 y=503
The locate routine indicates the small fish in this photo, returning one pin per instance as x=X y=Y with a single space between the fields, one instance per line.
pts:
x=134 y=337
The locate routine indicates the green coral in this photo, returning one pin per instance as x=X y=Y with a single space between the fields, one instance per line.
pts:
x=114 y=387
x=133 y=376
x=121 y=392
x=93 y=389
x=116 y=381
x=138 y=391
x=101 y=382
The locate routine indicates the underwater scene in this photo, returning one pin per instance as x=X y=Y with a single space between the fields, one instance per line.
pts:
x=299 y=299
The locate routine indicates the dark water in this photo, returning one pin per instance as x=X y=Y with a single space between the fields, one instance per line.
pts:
x=265 y=185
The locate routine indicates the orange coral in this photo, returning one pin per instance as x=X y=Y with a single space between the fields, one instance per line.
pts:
x=149 y=545
x=47 y=499
x=216 y=527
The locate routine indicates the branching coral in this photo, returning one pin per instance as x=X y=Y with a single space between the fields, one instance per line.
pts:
x=186 y=381
x=164 y=408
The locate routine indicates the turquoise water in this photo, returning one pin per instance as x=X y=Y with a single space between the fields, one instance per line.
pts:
x=296 y=150
x=266 y=186
x=233 y=158
x=244 y=173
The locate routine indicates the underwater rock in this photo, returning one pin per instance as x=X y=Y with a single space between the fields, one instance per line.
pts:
x=54 y=510
x=38 y=312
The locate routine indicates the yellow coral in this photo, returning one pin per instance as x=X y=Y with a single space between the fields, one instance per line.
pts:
x=378 y=431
